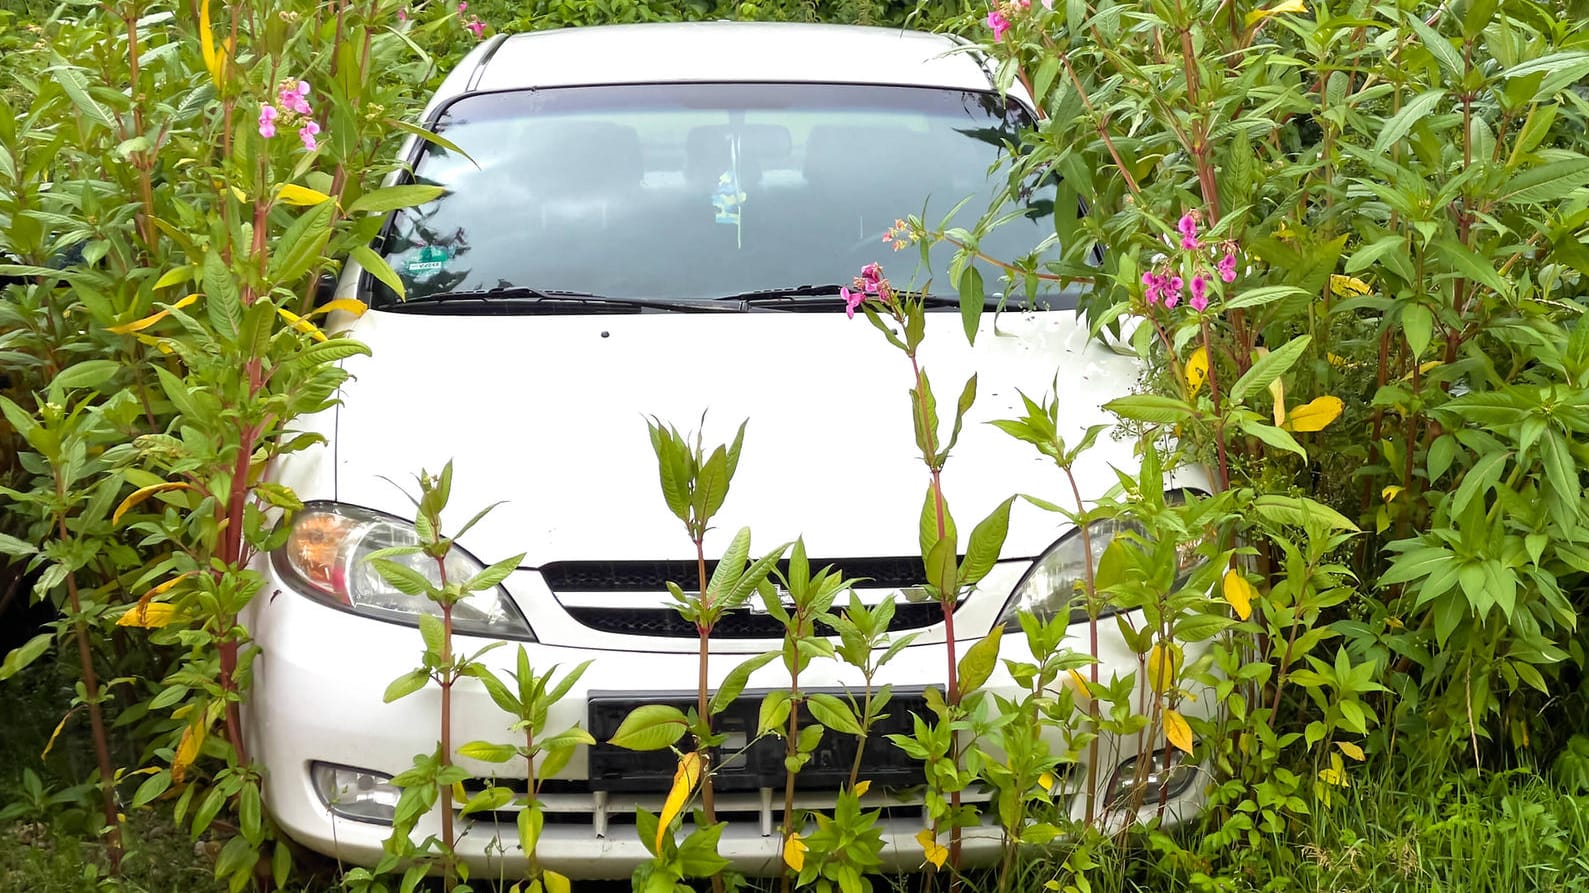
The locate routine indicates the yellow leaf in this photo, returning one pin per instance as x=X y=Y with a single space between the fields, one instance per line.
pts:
x=1316 y=414
x=1239 y=593
x=1046 y=781
x=188 y=747
x=293 y=194
x=57 y=733
x=166 y=586
x=1197 y=369
x=142 y=493
x=152 y=615
x=794 y=852
x=1351 y=750
x=1164 y=666
x=1080 y=682
x=1423 y=368
x=1348 y=286
x=1277 y=390
x=301 y=324
x=1177 y=731
x=459 y=795
x=861 y=787
x=156 y=343
x=346 y=305
x=151 y=319
x=1335 y=774
x=1336 y=360
x=1390 y=493
x=212 y=62
x=555 y=883
x=936 y=853
x=1258 y=15
x=685 y=779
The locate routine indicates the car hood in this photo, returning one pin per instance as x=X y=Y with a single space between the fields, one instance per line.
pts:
x=547 y=414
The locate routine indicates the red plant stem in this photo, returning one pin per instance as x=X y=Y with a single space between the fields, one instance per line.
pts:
x=945 y=600
x=790 y=751
x=1219 y=419
x=96 y=720
x=448 y=838
x=1089 y=575
x=702 y=704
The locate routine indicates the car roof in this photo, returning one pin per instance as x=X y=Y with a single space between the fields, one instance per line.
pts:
x=723 y=52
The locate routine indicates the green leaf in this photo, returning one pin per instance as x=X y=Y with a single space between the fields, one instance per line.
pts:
x=1470 y=265
x=1398 y=125
x=377 y=266
x=987 y=541
x=1275 y=437
x=1438 y=46
x=29 y=652
x=152 y=787
x=833 y=713
x=927 y=532
x=14 y=548
x=1270 y=366
x=1562 y=70
x=392 y=198
x=487 y=752
x=1546 y=183
x=1300 y=511
x=75 y=84
x=734 y=682
x=488 y=800
x=1268 y=294
x=1417 y=325
x=221 y=296
x=650 y=727
x=1151 y=408
x=979 y=660
x=972 y=296
x=774 y=711
x=405 y=685
x=939 y=565
x=432 y=631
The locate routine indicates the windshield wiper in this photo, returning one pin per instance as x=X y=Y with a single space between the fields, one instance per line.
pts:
x=811 y=298
x=524 y=299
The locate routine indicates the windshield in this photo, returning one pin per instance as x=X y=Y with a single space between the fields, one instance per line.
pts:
x=692 y=191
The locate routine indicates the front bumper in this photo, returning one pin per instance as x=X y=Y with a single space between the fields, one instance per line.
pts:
x=317 y=698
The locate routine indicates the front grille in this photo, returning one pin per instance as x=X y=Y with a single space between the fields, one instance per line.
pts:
x=583 y=579
x=666 y=622
x=748 y=763
x=653 y=576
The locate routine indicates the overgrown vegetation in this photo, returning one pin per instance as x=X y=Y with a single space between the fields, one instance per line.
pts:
x=1349 y=242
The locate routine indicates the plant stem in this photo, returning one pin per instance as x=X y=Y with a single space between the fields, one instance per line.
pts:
x=448 y=839
x=702 y=703
x=1090 y=578
x=96 y=720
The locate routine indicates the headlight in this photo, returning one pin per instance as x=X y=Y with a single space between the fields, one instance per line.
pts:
x=356 y=793
x=327 y=554
x=1057 y=581
x=1167 y=778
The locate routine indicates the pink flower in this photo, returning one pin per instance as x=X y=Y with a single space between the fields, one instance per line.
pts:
x=1172 y=291
x=1153 y=286
x=872 y=278
x=852 y=300
x=1199 y=300
x=267 y=121
x=307 y=133
x=475 y=26
x=1171 y=299
x=402 y=15
x=1227 y=267
x=998 y=23
x=295 y=98
x=463 y=7
x=1188 y=228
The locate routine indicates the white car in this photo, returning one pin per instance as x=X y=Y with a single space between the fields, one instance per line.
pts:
x=645 y=227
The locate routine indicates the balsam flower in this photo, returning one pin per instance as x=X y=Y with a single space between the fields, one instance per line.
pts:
x=852 y=301
x=307 y=133
x=476 y=27
x=1199 y=300
x=267 y=121
x=1227 y=267
x=295 y=98
x=998 y=23
x=1188 y=228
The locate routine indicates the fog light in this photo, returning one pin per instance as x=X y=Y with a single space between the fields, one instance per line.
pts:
x=1162 y=783
x=356 y=794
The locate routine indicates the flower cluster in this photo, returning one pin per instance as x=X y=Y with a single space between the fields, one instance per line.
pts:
x=870 y=285
x=1166 y=282
x=293 y=96
x=1002 y=16
x=473 y=23
x=900 y=235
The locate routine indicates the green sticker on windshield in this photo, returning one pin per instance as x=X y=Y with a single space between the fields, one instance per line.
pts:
x=430 y=259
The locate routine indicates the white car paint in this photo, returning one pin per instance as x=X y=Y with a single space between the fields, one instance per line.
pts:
x=547 y=413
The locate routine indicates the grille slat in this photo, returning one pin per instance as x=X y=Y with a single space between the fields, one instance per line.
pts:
x=653 y=576
x=666 y=622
